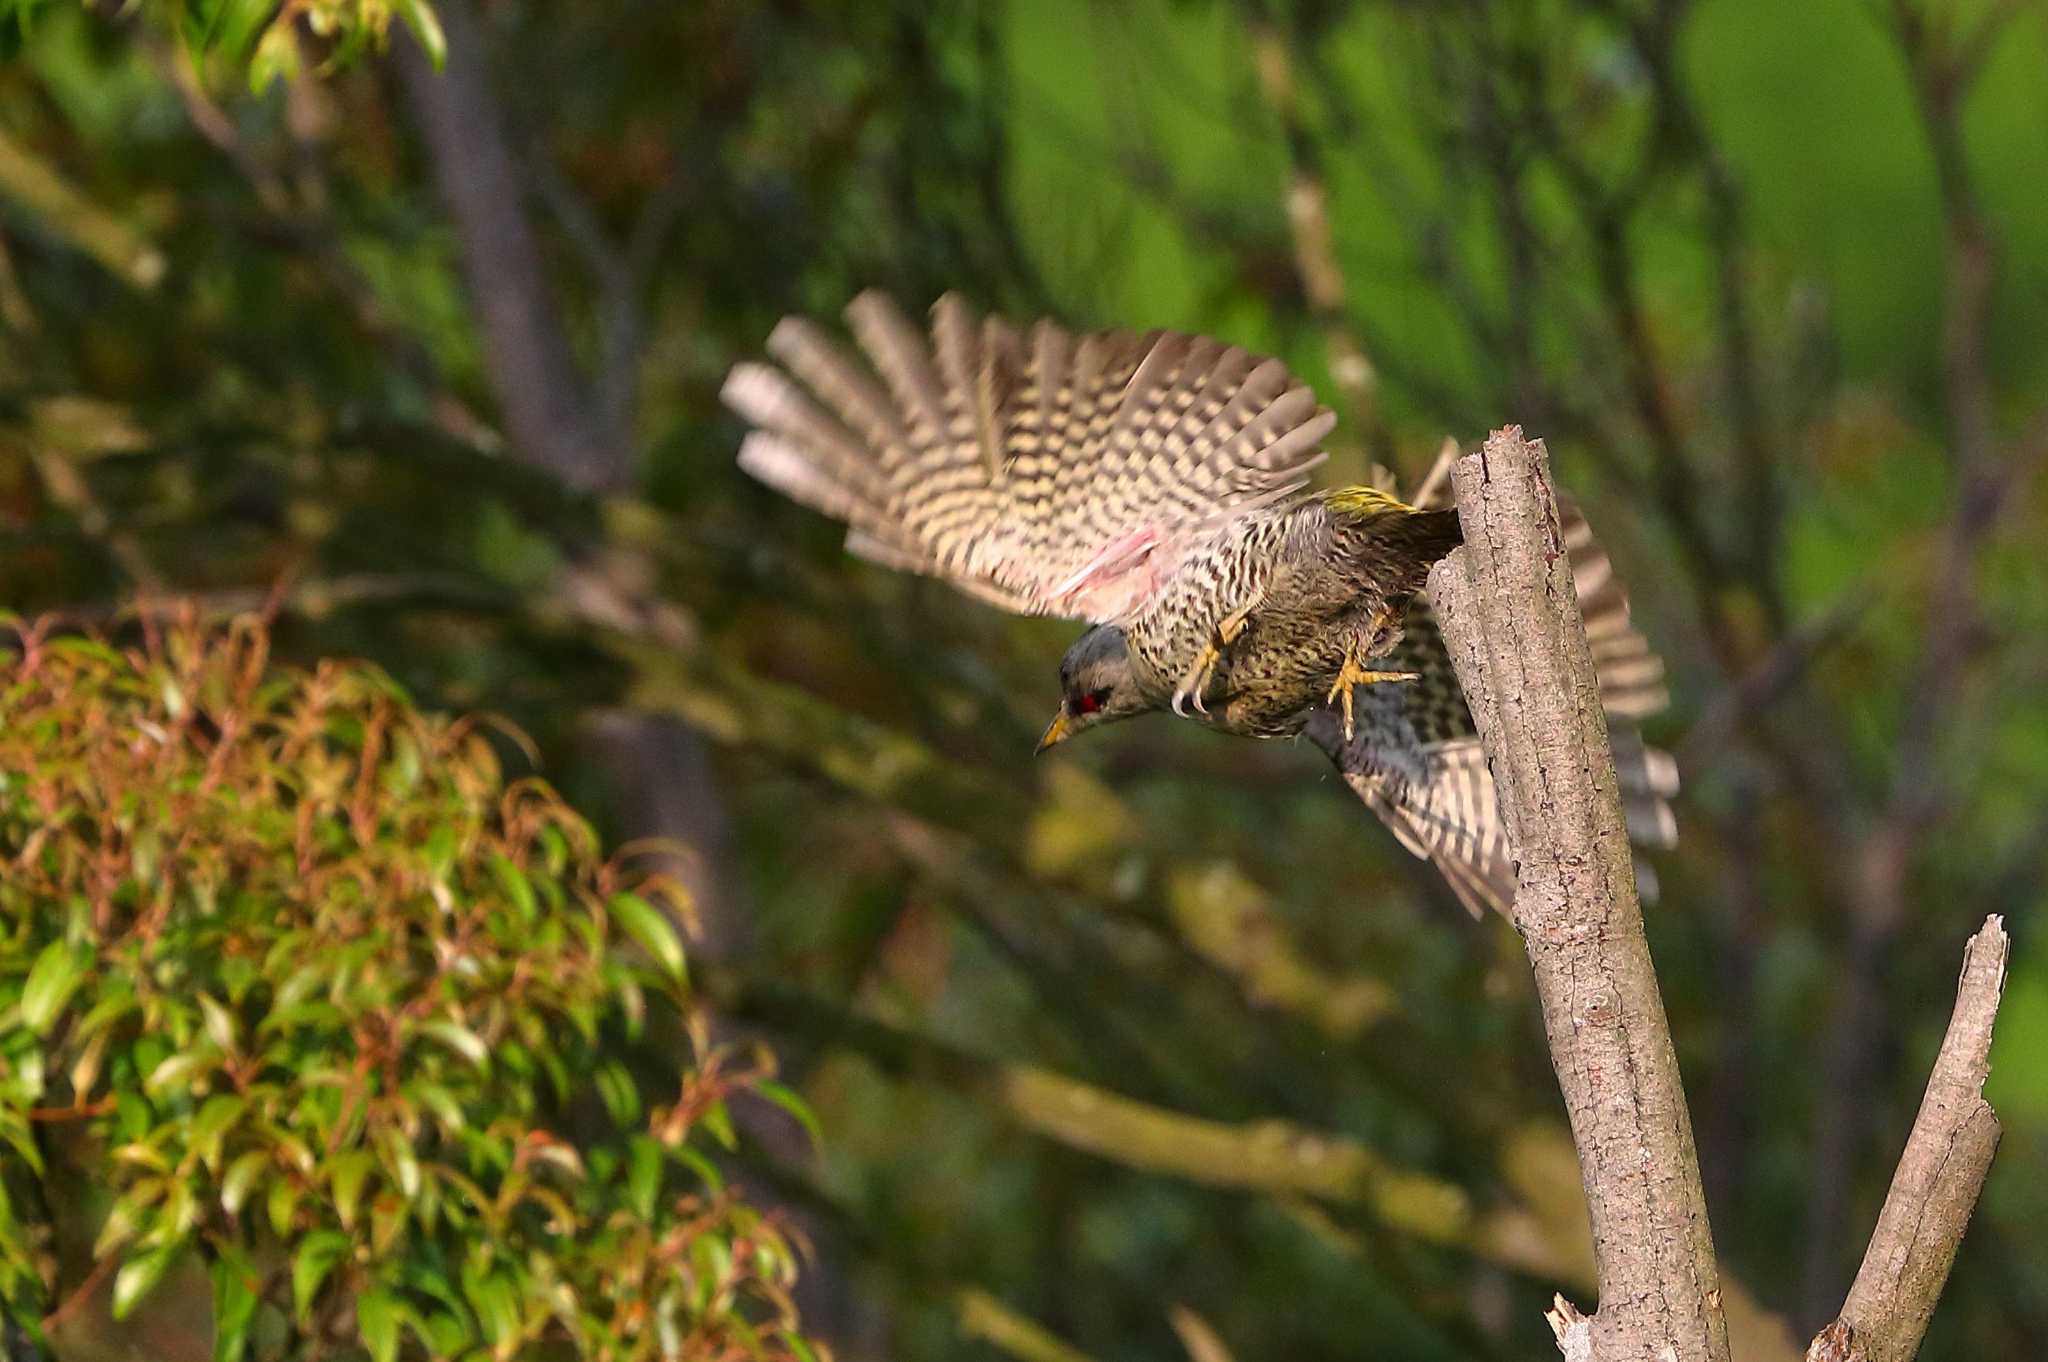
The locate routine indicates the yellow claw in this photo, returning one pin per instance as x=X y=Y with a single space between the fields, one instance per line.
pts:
x=1356 y=673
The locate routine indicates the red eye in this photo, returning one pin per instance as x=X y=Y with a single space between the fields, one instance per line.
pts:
x=1090 y=701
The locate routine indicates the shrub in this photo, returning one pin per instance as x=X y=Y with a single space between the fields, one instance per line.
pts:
x=325 y=1006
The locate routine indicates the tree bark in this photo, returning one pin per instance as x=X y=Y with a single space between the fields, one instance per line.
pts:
x=1939 y=1177
x=1512 y=622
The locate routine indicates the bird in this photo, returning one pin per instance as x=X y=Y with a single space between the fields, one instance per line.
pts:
x=1154 y=484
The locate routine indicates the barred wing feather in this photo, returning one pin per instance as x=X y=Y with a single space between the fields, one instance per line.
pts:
x=1046 y=473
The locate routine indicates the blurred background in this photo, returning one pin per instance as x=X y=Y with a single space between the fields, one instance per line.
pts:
x=1163 y=1048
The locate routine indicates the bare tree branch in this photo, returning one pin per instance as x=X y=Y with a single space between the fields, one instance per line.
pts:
x=126 y=253
x=1512 y=622
x=984 y=1317
x=1308 y=217
x=1776 y=674
x=548 y=410
x=1938 y=1180
x=622 y=274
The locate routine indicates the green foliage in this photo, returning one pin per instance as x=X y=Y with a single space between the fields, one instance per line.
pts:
x=321 y=998
x=267 y=38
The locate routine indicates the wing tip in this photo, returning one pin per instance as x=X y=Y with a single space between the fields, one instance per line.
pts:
x=752 y=390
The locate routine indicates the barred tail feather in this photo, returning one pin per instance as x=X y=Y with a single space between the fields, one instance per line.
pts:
x=1649 y=781
x=1451 y=818
x=1631 y=675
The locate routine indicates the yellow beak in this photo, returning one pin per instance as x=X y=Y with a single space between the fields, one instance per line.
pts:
x=1056 y=732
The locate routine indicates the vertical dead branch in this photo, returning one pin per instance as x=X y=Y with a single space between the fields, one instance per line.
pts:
x=1512 y=622
x=1308 y=217
x=547 y=406
x=1937 y=1183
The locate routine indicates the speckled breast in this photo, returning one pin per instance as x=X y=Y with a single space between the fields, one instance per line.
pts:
x=1295 y=640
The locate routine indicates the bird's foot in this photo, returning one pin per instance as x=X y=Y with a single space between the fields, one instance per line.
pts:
x=1188 y=694
x=1356 y=673
x=1196 y=679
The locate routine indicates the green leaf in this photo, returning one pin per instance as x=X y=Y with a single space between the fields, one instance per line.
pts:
x=439 y=851
x=461 y=1040
x=241 y=1178
x=28 y=1082
x=234 y=1303
x=442 y=1333
x=117 y=1000
x=426 y=26
x=138 y=1275
x=706 y=1171
x=346 y=1174
x=281 y=1205
x=221 y=1026
x=14 y=1129
x=495 y=1302
x=132 y=1114
x=800 y=1110
x=317 y=1255
x=401 y=1162
x=438 y=1100
x=277 y=54
x=124 y=1219
x=142 y=1155
x=236 y=23
x=211 y=1125
x=300 y=986
x=52 y=980
x=650 y=927
x=621 y=1095
x=718 y=1120
x=377 y=1317
x=180 y=1069
x=512 y=880
x=433 y=1283
x=643 y=1174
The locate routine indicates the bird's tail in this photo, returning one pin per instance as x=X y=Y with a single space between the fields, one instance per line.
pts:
x=1451 y=814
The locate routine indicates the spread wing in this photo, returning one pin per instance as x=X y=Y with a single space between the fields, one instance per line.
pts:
x=1046 y=473
x=1415 y=756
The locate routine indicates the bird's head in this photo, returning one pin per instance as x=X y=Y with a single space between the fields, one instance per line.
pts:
x=1096 y=685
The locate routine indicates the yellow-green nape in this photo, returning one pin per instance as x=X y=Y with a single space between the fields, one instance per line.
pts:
x=1363 y=500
